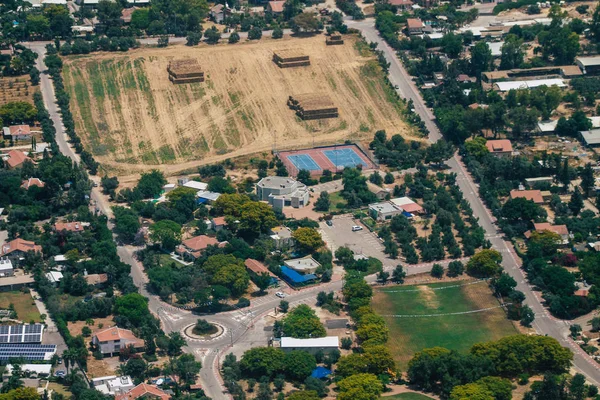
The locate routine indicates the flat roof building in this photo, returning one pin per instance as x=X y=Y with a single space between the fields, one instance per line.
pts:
x=530 y=84
x=591 y=138
x=38 y=369
x=589 y=65
x=384 y=211
x=305 y=265
x=313 y=345
x=6 y=268
x=113 y=385
x=282 y=191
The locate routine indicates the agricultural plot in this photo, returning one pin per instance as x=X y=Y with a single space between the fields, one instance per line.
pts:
x=456 y=332
x=132 y=118
x=16 y=89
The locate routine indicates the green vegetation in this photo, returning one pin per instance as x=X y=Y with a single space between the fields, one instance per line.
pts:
x=455 y=332
x=23 y=304
x=407 y=396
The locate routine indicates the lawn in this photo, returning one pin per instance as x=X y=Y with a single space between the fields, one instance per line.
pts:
x=407 y=396
x=409 y=335
x=23 y=303
x=337 y=202
x=165 y=259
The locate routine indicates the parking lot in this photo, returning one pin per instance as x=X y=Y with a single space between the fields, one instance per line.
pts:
x=361 y=242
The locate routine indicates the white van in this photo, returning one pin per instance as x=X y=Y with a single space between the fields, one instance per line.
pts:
x=356 y=228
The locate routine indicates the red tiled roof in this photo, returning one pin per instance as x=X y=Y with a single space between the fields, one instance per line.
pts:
x=116 y=333
x=219 y=221
x=32 y=182
x=143 y=390
x=256 y=266
x=198 y=243
x=68 y=226
x=558 y=229
x=400 y=3
x=582 y=292
x=19 y=130
x=412 y=208
x=19 y=245
x=499 y=146
x=276 y=6
x=414 y=23
x=126 y=14
x=16 y=158
x=94 y=279
x=534 y=195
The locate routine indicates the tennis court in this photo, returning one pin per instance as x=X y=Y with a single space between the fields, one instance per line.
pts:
x=304 y=161
x=344 y=158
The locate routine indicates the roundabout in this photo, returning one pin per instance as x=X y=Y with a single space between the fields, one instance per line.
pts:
x=188 y=332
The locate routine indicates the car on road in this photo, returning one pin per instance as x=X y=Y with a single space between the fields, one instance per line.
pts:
x=396 y=87
x=329 y=222
x=356 y=228
x=281 y=295
x=60 y=374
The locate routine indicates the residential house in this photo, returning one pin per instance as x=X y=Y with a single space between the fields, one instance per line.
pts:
x=583 y=289
x=17 y=132
x=126 y=15
x=95 y=279
x=378 y=191
x=218 y=223
x=560 y=230
x=408 y=205
x=282 y=235
x=6 y=268
x=16 y=249
x=206 y=197
x=28 y=183
x=54 y=277
x=384 y=211
x=282 y=191
x=304 y=265
x=414 y=26
x=219 y=12
x=257 y=268
x=185 y=182
x=113 y=385
x=402 y=5
x=542 y=180
x=70 y=226
x=192 y=248
x=275 y=7
x=15 y=159
x=112 y=340
x=143 y=390
x=500 y=148
x=533 y=195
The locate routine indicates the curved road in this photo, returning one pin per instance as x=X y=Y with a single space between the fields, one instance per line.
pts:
x=240 y=330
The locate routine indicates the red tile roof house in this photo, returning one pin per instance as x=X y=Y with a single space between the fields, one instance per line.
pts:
x=15 y=250
x=15 y=159
x=414 y=26
x=32 y=182
x=257 y=267
x=500 y=148
x=143 y=390
x=193 y=248
x=275 y=7
x=560 y=230
x=533 y=195
x=69 y=226
x=18 y=132
x=112 y=340
x=218 y=223
x=402 y=5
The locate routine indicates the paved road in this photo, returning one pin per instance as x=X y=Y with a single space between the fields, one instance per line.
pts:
x=544 y=323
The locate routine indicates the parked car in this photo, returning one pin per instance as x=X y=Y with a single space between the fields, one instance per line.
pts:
x=281 y=295
x=329 y=222
x=356 y=228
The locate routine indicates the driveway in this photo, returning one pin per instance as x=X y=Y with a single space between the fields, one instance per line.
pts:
x=329 y=187
x=361 y=242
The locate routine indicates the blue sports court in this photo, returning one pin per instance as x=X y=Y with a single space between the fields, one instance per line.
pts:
x=344 y=158
x=304 y=161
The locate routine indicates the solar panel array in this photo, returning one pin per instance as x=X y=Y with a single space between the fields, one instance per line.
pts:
x=21 y=333
x=30 y=352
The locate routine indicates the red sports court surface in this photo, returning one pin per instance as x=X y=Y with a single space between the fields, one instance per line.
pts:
x=333 y=158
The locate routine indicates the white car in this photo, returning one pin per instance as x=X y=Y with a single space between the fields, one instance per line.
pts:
x=281 y=295
x=356 y=228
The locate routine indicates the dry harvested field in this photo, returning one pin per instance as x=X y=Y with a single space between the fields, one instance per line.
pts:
x=16 y=89
x=132 y=118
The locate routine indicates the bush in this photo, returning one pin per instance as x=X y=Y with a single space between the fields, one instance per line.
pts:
x=234 y=37
x=346 y=343
x=163 y=41
x=243 y=302
x=437 y=271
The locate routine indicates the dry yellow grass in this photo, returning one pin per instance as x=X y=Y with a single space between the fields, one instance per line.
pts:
x=132 y=118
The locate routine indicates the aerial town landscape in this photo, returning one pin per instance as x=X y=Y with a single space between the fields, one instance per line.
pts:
x=304 y=200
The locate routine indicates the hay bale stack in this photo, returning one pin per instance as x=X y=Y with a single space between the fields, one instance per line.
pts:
x=313 y=106
x=290 y=58
x=185 y=71
x=333 y=40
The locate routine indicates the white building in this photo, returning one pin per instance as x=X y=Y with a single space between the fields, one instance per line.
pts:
x=38 y=369
x=54 y=277
x=282 y=235
x=306 y=265
x=113 y=385
x=6 y=267
x=384 y=211
x=516 y=85
x=195 y=185
x=112 y=340
x=324 y=344
x=281 y=192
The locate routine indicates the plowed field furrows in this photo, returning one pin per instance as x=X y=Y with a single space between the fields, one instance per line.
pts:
x=132 y=118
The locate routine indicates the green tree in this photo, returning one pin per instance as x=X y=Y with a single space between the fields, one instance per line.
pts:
x=256 y=217
x=304 y=395
x=299 y=365
x=262 y=281
x=504 y=284
x=255 y=33
x=309 y=239
x=455 y=268
x=323 y=203
x=234 y=37
x=501 y=388
x=484 y=263
x=127 y=223
x=481 y=58
x=167 y=233
x=471 y=391
x=437 y=271
x=212 y=35
x=233 y=277
x=587 y=180
x=263 y=361
x=136 y=368
x=134 y=308
x=477 y=147
x=306 y=22
x=193 y=38
x=151 y=184
x=360 y=387
x=452 y=45
x=576 y=202
x=512 y=52
x=302 y=322
x=187 y=368
x=398 y=275
x=277 y=33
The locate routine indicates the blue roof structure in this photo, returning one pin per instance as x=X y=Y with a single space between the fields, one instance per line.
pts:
x=320 y=373
x=295 y=277
x=407 y=214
